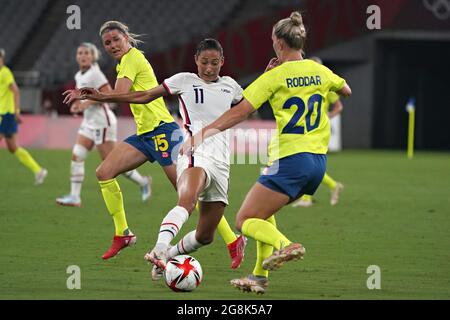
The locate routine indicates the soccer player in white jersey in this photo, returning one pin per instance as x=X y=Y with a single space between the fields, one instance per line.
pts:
x=99 y=127
x=203 y=97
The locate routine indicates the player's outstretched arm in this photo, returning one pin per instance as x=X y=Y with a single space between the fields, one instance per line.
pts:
x=138 y=97
x=227 y=120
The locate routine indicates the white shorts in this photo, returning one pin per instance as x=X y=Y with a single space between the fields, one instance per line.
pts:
x=217 y=177
x=99 y=135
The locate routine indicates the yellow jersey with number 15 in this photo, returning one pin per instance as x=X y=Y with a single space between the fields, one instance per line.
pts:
x=297 y=92
x=134 y=66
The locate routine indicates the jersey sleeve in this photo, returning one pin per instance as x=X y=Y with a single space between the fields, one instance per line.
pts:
x=98 y=79
x=336 y=83
x=260 y=90
x=127 y=68
x=237 y=93
x=174 y=84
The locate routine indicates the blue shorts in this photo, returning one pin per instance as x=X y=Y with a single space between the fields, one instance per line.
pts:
x=161 y=144
x=8 y=125
x=295 y=175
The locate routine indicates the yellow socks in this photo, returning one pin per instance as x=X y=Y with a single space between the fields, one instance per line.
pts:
x=329 y=182
x=27 y=160
x=264 y=231
x=307 y=197
x=263 y=251
x=225 y=231
x=114 y=202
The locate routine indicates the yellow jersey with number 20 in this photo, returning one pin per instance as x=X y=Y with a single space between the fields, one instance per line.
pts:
x=135 y=67
x=297 y=92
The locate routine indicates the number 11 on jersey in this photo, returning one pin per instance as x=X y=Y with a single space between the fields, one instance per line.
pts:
x=199 y=95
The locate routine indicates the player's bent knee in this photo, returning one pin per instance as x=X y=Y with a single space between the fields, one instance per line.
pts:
x=205 y=239
x=102 y=174
x=99 y=174
x=79 y=152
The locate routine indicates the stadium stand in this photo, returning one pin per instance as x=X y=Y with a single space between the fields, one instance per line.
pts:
x=163 y=25
x=12 y=32
x=285 y=3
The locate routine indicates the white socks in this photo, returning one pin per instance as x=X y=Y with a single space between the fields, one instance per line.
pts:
x=185 y=246
x=76 y=177
x=171 y=225
x=136 y=177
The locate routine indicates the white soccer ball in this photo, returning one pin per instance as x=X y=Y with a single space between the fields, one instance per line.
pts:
x=183 y=273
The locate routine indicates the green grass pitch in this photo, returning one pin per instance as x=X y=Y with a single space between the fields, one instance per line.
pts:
x=394 y=213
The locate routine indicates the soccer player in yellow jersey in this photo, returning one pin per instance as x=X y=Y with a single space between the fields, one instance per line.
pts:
x=157 y=135
x=157 y=132
x=10 y=117
x=296 y=89
x=98 y=128
x=334 y=186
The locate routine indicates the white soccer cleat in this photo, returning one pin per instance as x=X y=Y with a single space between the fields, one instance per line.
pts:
x=157 y=257
x=146 y=190
x=302 y=203
x=69 y=201
x=294 y=251
x=157 y=273
x=40 y=176
x=251 y=283
x=335 y=193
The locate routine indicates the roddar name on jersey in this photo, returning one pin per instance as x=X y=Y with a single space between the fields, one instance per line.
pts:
x=303 y=81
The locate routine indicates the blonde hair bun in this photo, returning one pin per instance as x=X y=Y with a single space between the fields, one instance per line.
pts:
x=296 y=18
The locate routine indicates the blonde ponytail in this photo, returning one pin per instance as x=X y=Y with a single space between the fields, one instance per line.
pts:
x=291 y=30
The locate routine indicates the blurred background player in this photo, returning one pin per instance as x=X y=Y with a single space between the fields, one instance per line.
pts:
x=203 y=97
x=10 y=118
x=333 y=106
x=297 y=152
x=99 y=127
